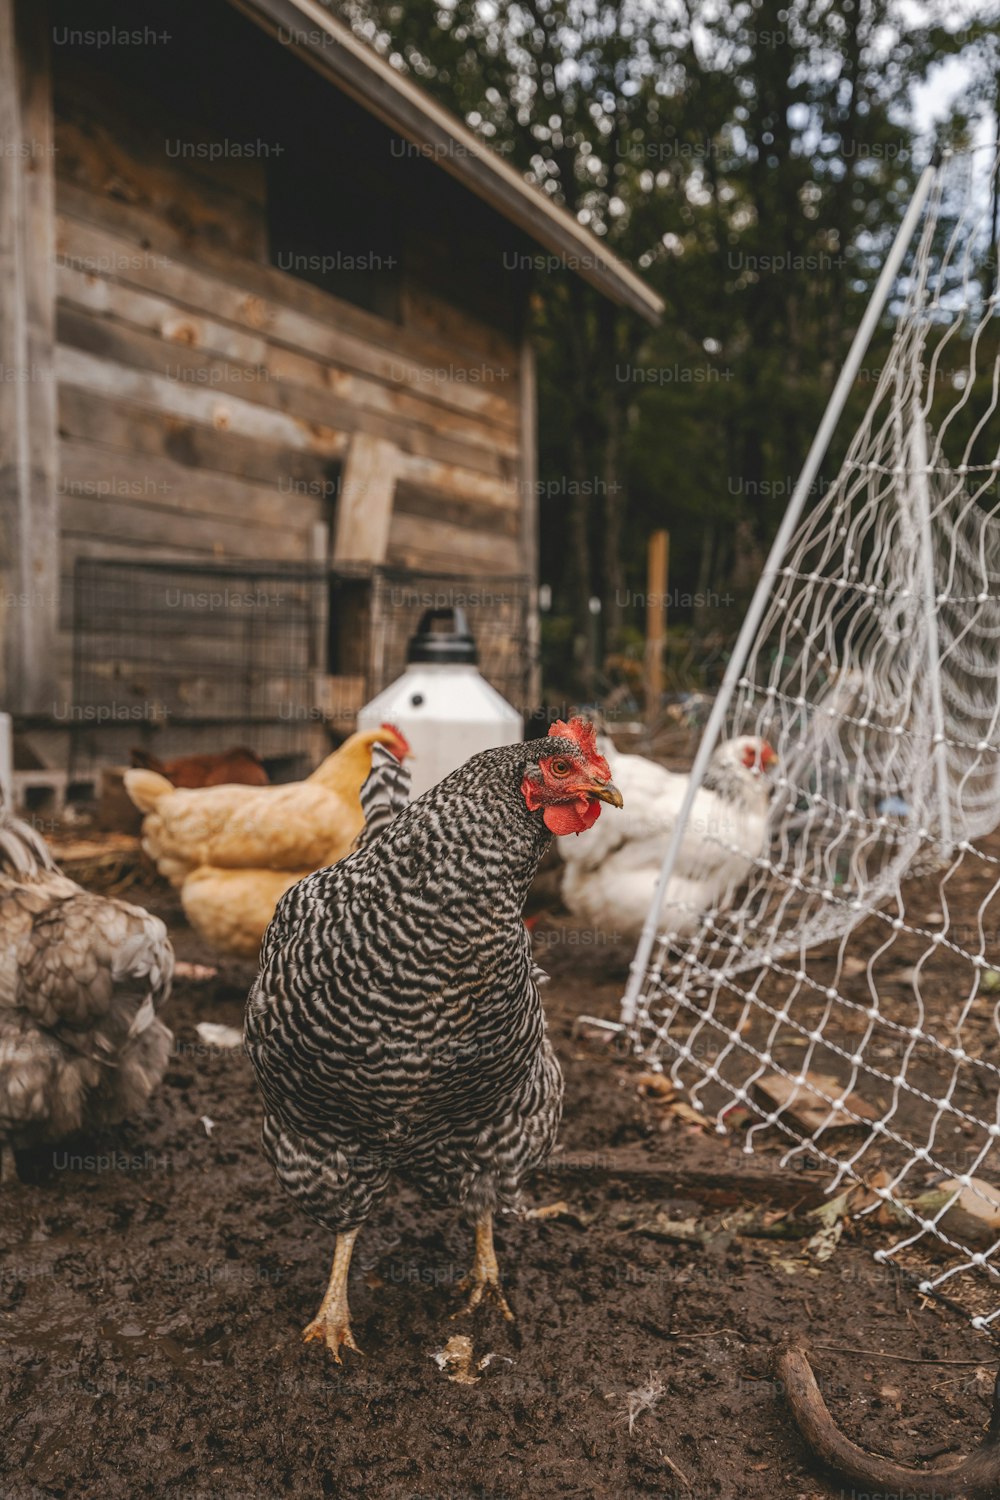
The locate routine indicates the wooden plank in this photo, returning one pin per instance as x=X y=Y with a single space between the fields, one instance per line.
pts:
x=314 y=382
x=96 y=293
x=433 y=312
x=364 y=514
x=87 y=371
x=103 y=158
x=124 y=426
x=118 y=520
x=416 y=542
x=190 y=403
x=160 y=484
x=184 y=654
x=452 y=481
x=715 y=1181
x=84 y=90
x=473 y=515
x=105 y=236
x=126 y=345
x=394 y=403
x=28 y=505
x=123 y=549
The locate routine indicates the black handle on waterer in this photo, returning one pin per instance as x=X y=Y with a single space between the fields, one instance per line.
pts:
x=454 y=647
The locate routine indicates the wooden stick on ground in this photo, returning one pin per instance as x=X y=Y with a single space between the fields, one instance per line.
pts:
x=730 y=1181
x=976 y=1477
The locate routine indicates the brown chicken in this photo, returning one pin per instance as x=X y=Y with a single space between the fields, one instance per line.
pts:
x=233 y=851
x=238 y=766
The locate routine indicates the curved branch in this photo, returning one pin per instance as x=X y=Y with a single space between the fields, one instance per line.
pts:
x=976 y=1477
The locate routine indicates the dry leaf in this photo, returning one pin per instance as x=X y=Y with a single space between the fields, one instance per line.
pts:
x=455 y=1359
x=213 y=1034
x=681 y=1110
x=549 y=1210
x=831 y=1218
x=973 y=1218
x=679 y=1231
x=658 y=1084
x=809 y=1104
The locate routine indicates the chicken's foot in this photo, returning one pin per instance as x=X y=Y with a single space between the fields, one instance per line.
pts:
x=332 y=1323
x=484 y=1278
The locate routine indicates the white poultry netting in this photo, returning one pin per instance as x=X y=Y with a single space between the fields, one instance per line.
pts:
x=847 y=1000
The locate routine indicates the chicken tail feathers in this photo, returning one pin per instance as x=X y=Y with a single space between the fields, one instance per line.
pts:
x=23 y=852
x=146 y=788
x=385 y=793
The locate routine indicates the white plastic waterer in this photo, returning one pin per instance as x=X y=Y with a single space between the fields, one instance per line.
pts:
x=441 y=704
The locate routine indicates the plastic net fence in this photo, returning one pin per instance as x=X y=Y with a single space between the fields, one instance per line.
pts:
x=843 y=1000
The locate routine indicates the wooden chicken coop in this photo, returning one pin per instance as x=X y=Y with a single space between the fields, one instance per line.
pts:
x=263 y=310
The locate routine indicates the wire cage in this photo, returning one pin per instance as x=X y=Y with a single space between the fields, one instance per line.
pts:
x=497 y=611
x=183 y=656
x=167 y=650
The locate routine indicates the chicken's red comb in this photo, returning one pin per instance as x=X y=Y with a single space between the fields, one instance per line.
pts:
x=583 y=733
x=401 y=737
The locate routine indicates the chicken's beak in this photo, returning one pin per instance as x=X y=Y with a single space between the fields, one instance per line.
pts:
x=606 y=791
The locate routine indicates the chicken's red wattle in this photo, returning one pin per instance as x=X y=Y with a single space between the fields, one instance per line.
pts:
x=572 y=817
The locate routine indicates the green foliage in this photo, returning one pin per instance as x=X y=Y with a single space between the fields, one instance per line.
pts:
x=753 y=159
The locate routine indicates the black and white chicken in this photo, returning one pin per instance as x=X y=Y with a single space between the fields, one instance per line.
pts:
x=395 y=1026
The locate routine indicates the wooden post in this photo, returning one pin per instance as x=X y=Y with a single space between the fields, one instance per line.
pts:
x=29 y=507
x=364 y=512
x=528 y=474
x=657 y=571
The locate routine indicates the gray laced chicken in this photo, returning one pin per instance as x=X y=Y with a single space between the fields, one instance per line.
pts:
x=395 y=1026
x=82 y=977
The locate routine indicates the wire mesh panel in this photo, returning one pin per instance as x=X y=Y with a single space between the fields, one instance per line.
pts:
x=180 y=646
x=264 y=654
x=840 y=994
x=496 y=609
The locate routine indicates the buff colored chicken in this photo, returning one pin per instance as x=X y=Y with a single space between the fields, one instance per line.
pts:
x=233 y=851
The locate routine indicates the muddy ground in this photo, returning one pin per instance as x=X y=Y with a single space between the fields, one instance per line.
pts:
x=154 y=1285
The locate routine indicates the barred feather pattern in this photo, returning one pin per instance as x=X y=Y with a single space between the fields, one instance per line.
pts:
x=385 y=793
x=395 y=1026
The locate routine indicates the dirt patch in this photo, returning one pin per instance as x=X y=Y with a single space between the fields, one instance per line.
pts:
x=155 y=1284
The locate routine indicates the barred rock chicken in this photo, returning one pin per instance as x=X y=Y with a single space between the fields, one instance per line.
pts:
x=612 y=871
x=395 y=1026
x=81 y=980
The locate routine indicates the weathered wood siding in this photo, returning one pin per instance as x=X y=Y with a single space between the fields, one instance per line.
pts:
x=208 y=401
x=28 y=514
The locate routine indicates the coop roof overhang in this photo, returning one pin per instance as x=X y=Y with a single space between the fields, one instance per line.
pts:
x=358 y=71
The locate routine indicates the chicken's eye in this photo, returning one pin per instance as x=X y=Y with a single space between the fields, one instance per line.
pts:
x=561 y=768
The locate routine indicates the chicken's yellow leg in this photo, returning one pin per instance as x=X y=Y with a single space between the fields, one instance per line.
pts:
x=333 y=1321
x=484 y=1278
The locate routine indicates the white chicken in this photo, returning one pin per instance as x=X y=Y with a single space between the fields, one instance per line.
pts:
x=612 y=869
